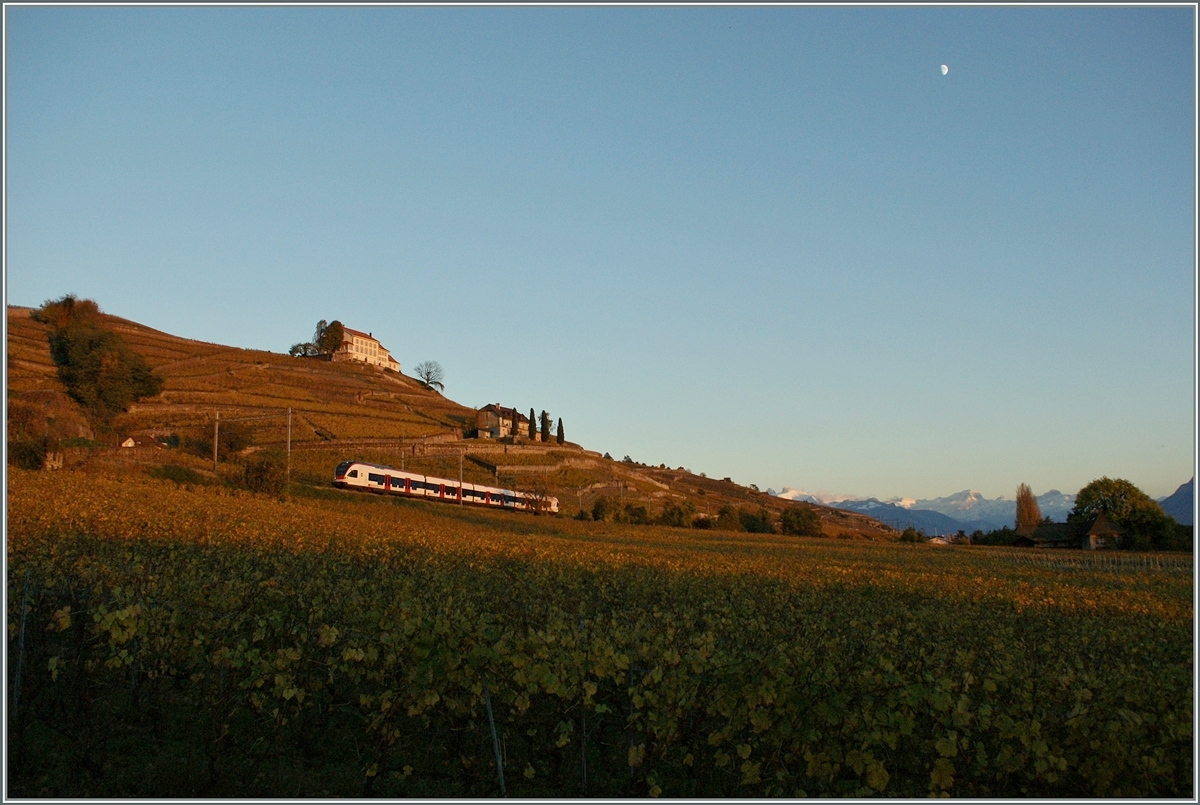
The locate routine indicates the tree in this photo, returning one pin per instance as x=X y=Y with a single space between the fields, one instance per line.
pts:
x=756 y=522
x=1128 y=508
x=97 y=367
x=532 y=424
x=58 y=313
x=800 y=522
x=728 y=520
x=1028 y=513
x=431 y=375
x=328 y=337
x=304 y=350
x=561 y=438
x=266 y=471
x=232 y=438
x=678 y=515
x=545 y=427
x=911 y=535
x=604 y=508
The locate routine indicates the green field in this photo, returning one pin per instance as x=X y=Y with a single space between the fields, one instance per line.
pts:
x=175 y=642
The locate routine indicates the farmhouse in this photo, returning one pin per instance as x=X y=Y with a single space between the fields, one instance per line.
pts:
x=1049 y=535
x=1102 y=534
x=495 y=422
x=359 y=346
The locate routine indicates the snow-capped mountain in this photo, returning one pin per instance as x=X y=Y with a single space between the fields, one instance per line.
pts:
x=967 y=510
x=977 y=511
x=898 y=517
x=823 y=498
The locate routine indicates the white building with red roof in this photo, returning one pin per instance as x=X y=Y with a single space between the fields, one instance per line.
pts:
x=360 y=346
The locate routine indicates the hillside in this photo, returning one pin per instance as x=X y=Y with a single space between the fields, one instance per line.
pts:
x=340 y=411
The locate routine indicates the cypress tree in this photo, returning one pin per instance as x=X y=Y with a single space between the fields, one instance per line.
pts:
x=545 y=427
x=531 y=425
x=560 y=431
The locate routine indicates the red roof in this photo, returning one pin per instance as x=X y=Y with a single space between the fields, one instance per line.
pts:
x=506 y=413
x=346 y=332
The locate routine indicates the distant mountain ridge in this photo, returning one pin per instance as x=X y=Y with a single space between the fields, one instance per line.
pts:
x=1179 y=503
x=967 y=510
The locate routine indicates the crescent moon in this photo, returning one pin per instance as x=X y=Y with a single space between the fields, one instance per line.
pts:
x=945 y=69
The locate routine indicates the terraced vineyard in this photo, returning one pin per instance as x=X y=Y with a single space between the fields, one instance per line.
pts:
x=341 y=411
x=167 y=641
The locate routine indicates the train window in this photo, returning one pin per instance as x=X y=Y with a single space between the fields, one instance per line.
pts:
x=452 y=491
x=353 y=473
x=375 y=479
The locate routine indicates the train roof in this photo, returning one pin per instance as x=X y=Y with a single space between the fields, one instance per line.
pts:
x=407 y=474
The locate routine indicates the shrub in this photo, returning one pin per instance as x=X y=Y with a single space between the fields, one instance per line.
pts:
x=604 y=509
x=911 y=535
x=27 y=452
x=78 y=441
x=232 y=438
x=180 y=475
x=678 y=515
x=637 y=515
x=756 y=522
x=266 y=471
x=800 y=522
x=728 y=520
x=1001 y=536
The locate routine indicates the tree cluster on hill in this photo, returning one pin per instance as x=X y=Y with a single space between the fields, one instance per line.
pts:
x=96 y=366
x=327 y=338
x=683 y=515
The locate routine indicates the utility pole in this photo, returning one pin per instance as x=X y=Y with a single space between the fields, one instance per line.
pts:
x=460 y=488
x=216 y=432
x=288 y=479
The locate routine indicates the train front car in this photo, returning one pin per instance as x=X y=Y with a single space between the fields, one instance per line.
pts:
x=341 y=474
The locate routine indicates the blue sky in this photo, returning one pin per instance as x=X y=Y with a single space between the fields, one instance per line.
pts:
x=770 y=243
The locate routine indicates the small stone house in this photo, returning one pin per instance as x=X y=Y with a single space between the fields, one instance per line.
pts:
x=496 y=422
x=1103 y=534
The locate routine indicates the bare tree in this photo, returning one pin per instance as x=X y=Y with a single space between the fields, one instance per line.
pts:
x=1028 y=513
x=431 y=375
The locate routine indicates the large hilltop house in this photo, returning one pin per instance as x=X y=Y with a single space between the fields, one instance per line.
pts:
x=494 y=422
x=359 y=346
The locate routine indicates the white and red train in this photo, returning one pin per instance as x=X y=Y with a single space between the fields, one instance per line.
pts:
x=390 y=481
